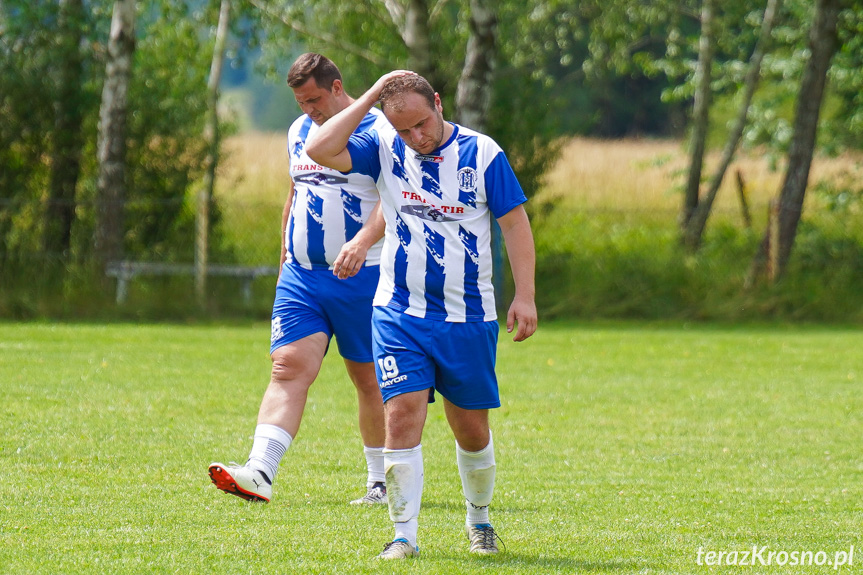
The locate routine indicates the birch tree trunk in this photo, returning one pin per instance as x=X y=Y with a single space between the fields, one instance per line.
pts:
x=412 y=20
x=698 y=221
x=700 y=114
x=211 y=137
x=111 y=185
x=417 y=39
x=473 y=95
x=823 y=43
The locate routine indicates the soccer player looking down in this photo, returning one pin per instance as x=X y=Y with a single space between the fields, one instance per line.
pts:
x=434 y=321
x=331 y=227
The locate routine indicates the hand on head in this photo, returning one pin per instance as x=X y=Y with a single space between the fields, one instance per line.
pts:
x=379 y=85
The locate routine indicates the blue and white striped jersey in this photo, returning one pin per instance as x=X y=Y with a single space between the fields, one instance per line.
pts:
x=436 y=261
x=328 y=207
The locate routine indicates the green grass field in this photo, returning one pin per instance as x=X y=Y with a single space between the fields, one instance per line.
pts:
x=621 y=448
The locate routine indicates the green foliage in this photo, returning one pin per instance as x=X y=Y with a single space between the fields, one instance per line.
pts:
x=166 y=151
x=167 y=104
x=540 y=94
x=26 y=106
x=843 y=127
x=641 y=443
x=842 y=195
x=591 y=67
x=772 y=112
x=661 y=39
x=624 y=265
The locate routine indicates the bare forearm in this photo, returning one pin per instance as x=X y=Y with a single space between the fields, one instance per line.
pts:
x=522 y=259
x=373 y=229
x=515 y=227
x=328 y=146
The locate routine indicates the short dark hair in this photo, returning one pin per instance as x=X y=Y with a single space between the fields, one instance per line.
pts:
x=311 y=65
x=395 y=88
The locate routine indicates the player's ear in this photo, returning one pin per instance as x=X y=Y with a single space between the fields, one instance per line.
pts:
x=337 y=88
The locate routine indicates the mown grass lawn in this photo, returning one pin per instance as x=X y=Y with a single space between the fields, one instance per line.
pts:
x=621 y=448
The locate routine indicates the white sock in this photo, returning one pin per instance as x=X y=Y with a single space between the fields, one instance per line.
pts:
x=407 y=530
x=375 y=465
x=404 y=476
x=476 y=469
x=269 y=447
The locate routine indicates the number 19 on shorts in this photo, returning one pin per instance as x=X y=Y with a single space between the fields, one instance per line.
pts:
x=389 y=371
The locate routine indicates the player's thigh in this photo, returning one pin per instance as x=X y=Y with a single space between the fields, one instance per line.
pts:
x=401 y=364
x=297 y=311
x=348 y=307
x=299 y=361
x=465 y=355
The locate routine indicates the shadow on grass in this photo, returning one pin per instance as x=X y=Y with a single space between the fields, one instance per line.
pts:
x=448 y=506
x=496 y=509
x=549 y=563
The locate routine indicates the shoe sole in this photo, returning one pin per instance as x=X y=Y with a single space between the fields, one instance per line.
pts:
x=224 y=481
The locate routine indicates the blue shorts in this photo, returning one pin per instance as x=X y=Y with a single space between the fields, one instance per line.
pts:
x=455 y=359
x=312 y=301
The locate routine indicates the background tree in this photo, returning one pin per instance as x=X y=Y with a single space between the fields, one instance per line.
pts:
x=412 y=20
x=44 y=47
x=212 y=141
x=694 y=229
x=536 y=94
x=606 y=68
x=622 y=32
x=823 y=43
x=475 y=86
x=700 y=112
x=111 y=184
x=368 y=38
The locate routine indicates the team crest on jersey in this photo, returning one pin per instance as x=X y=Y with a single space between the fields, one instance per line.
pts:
x=467 y=180
x=298 y=148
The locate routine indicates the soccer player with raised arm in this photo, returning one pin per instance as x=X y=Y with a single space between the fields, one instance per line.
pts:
x=434 y=321
x=331 y=228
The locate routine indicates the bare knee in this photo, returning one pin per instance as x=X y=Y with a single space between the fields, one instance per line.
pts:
x=285 y=371
x=299 y=362
x=477 y=440
x=405 y=417
x=470 y=426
